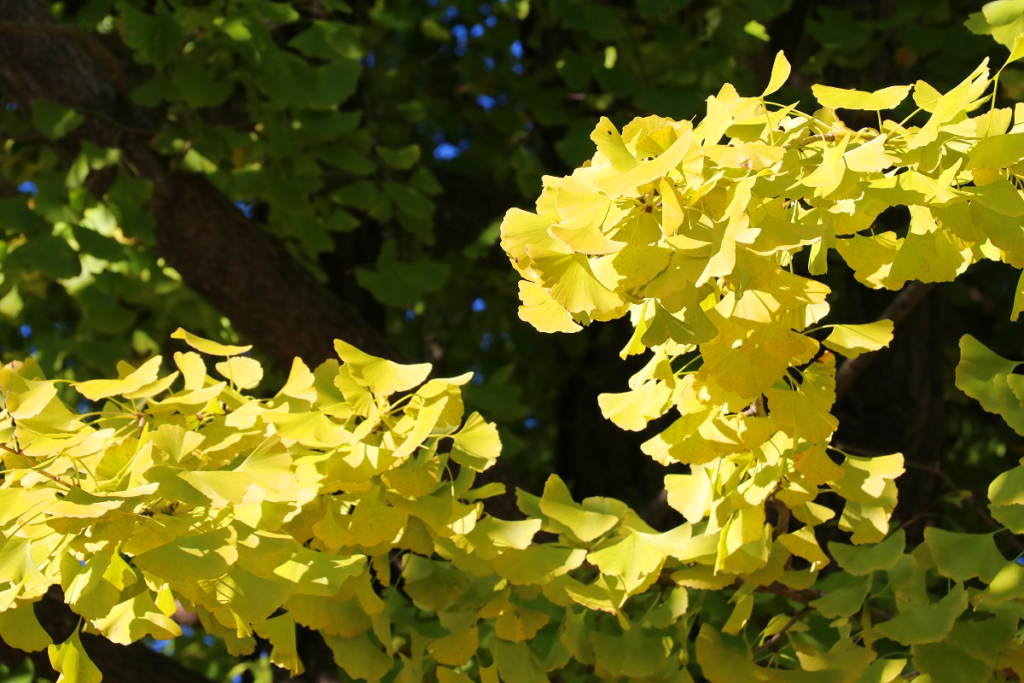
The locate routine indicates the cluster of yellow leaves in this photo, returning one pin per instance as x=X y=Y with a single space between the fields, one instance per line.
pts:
x=697 y=233
x=345 y=502
x=257 y=514
x=692 y=231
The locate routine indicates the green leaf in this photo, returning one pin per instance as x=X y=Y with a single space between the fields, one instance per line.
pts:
x=1006 y=499
x=961 y=556
x=50 y=255
x=883 y=671
x=983 y=375
x=199 y=85
x=517 y=663
x=54 y=120
x=329 y=40
x=403 y=158
x=756 y=29
x=722 y=663
x=157 y=38
x=635 y=654
x=135 y=619
x=865 y=559
x=402 y=285
x=359 y=657
x=925 y=623
x=844 y=598
x=1018 y=298
x=946 y=662
x=288 y=80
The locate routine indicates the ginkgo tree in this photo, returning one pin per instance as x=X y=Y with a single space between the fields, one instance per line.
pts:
x=347 y=502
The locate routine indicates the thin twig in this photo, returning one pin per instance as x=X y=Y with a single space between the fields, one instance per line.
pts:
x=42 y=472
x=773 y=642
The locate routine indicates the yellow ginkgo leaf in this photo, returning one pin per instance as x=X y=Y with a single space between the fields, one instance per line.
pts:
x=136 y=618
x=632 y=410
x=543 y=312
x=574 y=286
x=584 y=524
x=383 y=377
x=206 y=346
x=97 y=389
x=520 y=228
x=280 y=632
x=456 y=648
x=72 y=663
x=780 y=74
x=802 y=543
x=853 y=340
x=477 y=445
x=626 y=183
x=241 y=371
x=839 y=98
x=20 y=628
x=870 y=157
x=519 y=624
x=610 y=144
x=815 y=464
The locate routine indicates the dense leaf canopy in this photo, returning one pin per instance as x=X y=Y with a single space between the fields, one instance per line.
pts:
x=289 y=175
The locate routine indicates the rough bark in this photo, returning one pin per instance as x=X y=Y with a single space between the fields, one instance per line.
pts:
x=241 y=270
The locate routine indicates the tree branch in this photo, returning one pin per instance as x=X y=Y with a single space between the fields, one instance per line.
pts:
x=773 y=642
